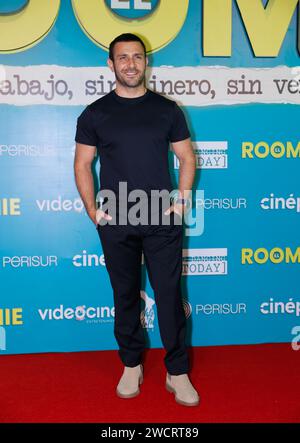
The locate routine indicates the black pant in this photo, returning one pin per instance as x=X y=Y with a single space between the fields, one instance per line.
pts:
x=162 y=247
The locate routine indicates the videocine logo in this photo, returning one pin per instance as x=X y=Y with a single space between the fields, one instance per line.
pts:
x=78 y=313
x=132 y=9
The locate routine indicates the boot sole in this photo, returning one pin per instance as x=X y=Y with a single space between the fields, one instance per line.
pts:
x=181 y=402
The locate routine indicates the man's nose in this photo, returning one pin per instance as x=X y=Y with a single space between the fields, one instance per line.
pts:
x=131 y=62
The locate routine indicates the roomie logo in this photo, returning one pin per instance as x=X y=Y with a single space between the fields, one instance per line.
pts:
x=10 y=206
x=132 y=9
x=277 y=149
x=11 y=316
x=275 y=255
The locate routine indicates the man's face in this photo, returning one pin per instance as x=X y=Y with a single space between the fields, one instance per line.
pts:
x=129 y=64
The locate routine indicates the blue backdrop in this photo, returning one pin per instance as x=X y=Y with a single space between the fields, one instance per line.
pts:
x=241 y=274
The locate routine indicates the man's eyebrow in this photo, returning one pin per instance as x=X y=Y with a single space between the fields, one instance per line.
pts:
x=136 y=53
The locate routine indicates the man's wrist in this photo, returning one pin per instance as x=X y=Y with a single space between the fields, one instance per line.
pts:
x=181 y=201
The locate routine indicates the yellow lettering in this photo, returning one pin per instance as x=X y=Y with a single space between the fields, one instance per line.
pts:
x=277 y=149
x=11 y=316
x=266 y=27
x=15 y=206
x=7 y=317
x=102 y=25
x=265 y=151
x=247 y=256
x=290 y=150
x=247 y=148
x=217 y=28
x=276 y=255
x=262 y=251
x=290 y=257
x=10 y=206
x=28 y=26
x=17 y=316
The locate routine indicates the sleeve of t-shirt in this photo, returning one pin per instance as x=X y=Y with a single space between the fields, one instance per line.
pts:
x=85 y=131
x=179 y=128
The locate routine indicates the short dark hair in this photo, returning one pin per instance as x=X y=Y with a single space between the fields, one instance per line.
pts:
x=127 y=37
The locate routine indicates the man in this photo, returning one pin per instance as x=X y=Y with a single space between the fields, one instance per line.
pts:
x=131 y=127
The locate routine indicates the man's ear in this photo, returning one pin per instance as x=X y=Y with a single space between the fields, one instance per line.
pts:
x=110 y=64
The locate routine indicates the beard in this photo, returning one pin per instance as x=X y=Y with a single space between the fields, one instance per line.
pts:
x=133 y=82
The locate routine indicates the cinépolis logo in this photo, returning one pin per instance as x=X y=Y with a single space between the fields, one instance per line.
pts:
x=275 y=203
x=274 y=255
x=84 y=260
x=276 y=307
x=89 y=260
x=8 y=317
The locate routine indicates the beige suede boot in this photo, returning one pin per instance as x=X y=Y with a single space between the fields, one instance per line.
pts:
x=128 y=385
x=185 y=393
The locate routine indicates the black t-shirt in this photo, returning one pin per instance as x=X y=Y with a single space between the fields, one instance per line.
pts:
x=132 y=137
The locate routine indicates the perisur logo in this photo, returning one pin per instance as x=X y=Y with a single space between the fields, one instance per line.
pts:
x=132 y=9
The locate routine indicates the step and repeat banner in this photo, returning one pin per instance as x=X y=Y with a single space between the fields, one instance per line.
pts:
x=233 y=67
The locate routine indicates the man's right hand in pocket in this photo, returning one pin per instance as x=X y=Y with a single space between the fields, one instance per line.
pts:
x=101 y=214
